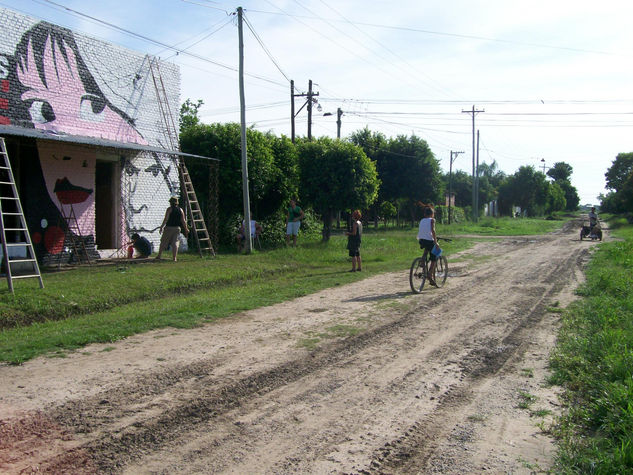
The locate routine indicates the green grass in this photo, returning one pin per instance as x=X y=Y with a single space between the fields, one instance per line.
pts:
x=505 y=226
x=102 y=304
x=594 y=362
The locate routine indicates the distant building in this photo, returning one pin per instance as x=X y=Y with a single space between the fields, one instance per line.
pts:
x=84 y=127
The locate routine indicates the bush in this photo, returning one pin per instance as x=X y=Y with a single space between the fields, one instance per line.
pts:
x=457 y=214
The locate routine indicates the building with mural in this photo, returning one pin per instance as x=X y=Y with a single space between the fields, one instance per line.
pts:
x=85 y=126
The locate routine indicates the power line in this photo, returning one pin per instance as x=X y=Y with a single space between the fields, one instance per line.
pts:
x=261 y=43
x=389 y=50
x=160 y=43
x=451 y=35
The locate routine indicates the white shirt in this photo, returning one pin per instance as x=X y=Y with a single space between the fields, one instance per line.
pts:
x=425 y=230
x=253 y=229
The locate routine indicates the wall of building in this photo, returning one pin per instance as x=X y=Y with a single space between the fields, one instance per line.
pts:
x=66 y=83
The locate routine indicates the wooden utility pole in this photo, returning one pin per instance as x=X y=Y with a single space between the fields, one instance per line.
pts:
x=309 y=100
x=292 y=110
x=309 y=110
x=477 y=176
x=247 y=208
x=474 y=112
x=450 y=182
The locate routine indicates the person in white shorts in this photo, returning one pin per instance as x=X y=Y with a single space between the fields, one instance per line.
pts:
x=293 y=222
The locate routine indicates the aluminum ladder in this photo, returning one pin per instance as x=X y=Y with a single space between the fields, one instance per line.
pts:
x=12 y=222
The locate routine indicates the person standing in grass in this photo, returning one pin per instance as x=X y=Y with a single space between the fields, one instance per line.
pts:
x=173 y=223
x=428 y=239
x=293 y=221
x=353 y=241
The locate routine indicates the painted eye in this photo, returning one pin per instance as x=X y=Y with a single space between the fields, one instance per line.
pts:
x=153 y=169
x=41 y=112
x=92 y=107
x=132 y=170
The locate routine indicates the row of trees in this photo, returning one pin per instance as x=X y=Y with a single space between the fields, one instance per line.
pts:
x=619 y=178
x=369 y=171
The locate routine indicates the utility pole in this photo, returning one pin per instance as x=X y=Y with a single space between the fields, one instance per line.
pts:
x=477 y=177
x=339 y=113
x=309 y=100
x=474 y=112
x=292 y=110
x=450 y=182
x=247 y=208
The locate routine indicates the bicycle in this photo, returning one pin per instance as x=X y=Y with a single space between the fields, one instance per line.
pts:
x=420 y=270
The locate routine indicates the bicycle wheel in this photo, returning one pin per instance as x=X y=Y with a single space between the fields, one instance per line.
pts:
x=441 y=271
x=417 y=274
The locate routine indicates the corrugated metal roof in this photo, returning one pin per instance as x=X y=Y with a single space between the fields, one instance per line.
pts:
x=96 y=142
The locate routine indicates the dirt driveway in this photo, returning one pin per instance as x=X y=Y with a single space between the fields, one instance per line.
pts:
x=363 y=378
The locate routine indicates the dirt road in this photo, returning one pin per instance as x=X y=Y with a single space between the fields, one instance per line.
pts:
x=364 y=378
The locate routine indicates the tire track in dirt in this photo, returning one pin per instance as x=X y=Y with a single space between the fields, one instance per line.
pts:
x=410 y=453
x=291 y=463
x=124 y=416
x=132 y=423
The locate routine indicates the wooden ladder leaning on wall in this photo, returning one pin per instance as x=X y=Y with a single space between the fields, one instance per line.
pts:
x=192 y=206
x=12 y=221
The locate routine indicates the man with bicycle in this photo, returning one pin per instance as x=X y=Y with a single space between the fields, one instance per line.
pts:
x=428 y=240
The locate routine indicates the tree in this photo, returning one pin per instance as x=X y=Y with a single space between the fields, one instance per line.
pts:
x=272 y=163
x=619 y=179
x=555 y=198
x=561 y=171
x=572 y=200
x=411 y=172
x=619 y=172
x=375 y=145
x=336 y=175
x=527 y=189
x=189 y=114
x=462 y=186
x=561 y=174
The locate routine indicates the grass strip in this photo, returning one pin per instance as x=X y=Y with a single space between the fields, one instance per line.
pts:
x=593 y=360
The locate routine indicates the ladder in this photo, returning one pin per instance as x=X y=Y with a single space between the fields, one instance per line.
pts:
x=194 y=213
x=12 y=221
x=199 y=229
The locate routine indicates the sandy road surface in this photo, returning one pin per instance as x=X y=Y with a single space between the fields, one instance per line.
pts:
x=362 y=378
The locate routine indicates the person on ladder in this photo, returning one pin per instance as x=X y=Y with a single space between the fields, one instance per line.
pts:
x=173 y=223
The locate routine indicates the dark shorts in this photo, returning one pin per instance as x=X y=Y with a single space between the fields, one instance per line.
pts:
x=428 y=245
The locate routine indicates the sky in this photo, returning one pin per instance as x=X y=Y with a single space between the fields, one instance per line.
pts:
x=552 y=79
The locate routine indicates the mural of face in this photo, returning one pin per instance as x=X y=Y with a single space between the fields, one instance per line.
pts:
x=145 y=211
x=61 y=95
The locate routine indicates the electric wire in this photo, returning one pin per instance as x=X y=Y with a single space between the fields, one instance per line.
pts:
x=164 y=45
x=390 y=51
x=266 y=50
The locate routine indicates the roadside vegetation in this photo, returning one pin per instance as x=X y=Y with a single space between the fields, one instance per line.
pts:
x=593 y=361
x=107 y=303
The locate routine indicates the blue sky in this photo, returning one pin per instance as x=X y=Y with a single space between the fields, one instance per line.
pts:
x=554 y=77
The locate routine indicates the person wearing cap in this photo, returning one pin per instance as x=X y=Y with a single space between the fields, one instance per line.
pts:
x=173 y=223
